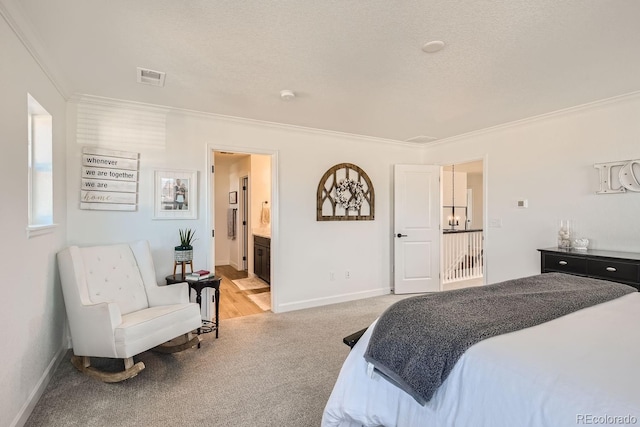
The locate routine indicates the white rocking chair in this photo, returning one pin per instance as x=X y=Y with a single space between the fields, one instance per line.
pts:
x=116 y=308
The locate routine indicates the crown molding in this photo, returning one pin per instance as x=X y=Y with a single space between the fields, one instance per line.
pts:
x=557 y=113
x=21 y=27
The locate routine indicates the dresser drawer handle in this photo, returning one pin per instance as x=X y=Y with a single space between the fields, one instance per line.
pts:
x=563 y=262
x=611 y=269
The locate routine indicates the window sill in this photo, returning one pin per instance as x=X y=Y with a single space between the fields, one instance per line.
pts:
x=38 y=230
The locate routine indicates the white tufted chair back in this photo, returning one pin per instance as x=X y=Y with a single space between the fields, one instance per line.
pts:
x=112 y=275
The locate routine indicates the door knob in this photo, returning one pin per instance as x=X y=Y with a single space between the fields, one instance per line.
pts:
x=401 y=235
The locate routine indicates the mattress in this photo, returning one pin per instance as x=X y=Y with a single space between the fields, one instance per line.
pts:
x=579 y=369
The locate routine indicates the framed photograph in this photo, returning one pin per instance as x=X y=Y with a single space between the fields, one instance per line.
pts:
x=233 y=197
x=175 y=194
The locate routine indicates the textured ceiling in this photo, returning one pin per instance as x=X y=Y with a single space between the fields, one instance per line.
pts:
x=356 y=65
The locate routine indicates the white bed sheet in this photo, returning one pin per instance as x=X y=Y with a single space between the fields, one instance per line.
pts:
x=571 y=371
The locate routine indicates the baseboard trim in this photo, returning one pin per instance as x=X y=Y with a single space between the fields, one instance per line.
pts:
x=334 y=299
x=21 y=418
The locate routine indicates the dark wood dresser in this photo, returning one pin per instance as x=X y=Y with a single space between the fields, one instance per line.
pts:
x=623 y=267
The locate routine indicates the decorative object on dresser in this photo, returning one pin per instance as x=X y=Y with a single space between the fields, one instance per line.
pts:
x=581 y=244
x=565 y=233
x=623 y=267
x=345 y=193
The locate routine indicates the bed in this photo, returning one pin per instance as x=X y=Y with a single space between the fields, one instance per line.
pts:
x=578 y=369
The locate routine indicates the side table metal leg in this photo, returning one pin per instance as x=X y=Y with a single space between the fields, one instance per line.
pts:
x=199 y=301
x=217 y=294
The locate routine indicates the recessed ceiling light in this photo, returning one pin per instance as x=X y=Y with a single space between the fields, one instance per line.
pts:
x=433 y=46
x=287 y=95
x=150 y=77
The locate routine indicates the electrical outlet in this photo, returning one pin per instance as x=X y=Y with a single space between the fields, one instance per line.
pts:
x=332 y=276
x=347 y=274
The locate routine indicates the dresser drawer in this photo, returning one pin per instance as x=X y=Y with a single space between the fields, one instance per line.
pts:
x=613 y=270
x=564 y=263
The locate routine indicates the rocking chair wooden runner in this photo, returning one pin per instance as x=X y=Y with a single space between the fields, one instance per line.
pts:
x=117 y=310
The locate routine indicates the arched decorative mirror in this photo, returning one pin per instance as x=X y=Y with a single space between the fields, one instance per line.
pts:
x=345 y=193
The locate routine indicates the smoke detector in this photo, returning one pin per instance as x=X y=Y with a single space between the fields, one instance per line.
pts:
x=287 y=95
x=433 y=46
x=150 y=77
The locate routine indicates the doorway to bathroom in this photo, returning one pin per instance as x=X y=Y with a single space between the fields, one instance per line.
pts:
x=241 y=187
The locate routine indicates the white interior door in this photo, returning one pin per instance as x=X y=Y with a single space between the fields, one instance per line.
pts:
x=416 y=228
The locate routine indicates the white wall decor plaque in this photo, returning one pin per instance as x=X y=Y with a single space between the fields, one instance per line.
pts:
x=109 y=180
x=619 y=177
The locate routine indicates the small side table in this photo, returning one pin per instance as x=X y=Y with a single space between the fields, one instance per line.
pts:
x=198 y=286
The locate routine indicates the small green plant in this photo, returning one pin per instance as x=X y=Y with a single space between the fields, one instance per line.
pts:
x=187 y=236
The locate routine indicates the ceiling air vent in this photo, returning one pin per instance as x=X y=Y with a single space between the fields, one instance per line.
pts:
x=422 y=139
x=150 y=77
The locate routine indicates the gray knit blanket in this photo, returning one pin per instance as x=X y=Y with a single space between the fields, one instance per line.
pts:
x=417 y=341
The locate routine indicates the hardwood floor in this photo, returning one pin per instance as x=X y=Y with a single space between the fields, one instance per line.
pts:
x=234 y=301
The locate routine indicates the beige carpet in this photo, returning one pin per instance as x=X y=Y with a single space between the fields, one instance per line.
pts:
x=264 y=370
x=262 y=300
x=250 y=283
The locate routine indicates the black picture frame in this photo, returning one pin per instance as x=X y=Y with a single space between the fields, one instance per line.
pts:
x=233 y=197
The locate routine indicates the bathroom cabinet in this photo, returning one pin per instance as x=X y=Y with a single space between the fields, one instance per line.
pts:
x=262 y=257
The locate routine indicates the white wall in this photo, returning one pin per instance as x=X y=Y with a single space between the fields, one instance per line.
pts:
x=475 y=184
x=260 y=191
x=304 y=250
x=32 y=316
x=549 y=161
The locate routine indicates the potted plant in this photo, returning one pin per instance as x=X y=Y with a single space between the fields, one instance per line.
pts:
x=184 y=252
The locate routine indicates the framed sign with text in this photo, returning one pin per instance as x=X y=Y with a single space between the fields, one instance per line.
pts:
x=109 y=180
